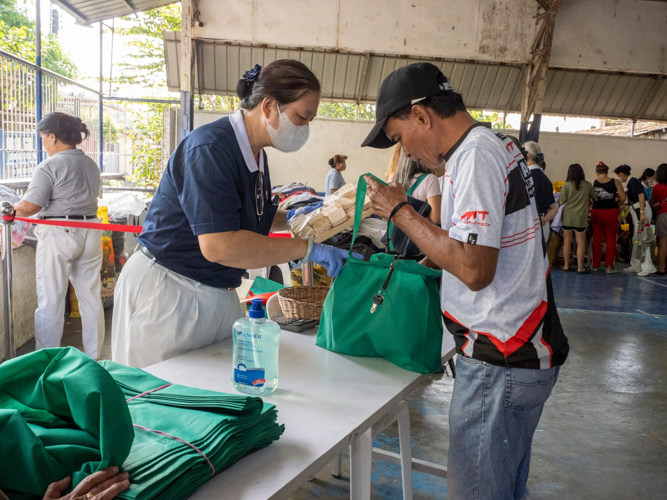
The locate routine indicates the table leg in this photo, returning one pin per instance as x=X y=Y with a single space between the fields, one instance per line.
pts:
x=361 y=451
x=404 y=439
x=337 y=466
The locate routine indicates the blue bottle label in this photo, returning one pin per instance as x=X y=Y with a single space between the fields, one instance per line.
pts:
x=253 y=377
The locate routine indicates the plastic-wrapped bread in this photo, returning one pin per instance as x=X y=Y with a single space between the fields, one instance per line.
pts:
x=347 y=191
x=337 y=209
x=337 y=217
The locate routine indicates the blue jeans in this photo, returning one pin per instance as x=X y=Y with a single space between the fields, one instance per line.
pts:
x=492 y=418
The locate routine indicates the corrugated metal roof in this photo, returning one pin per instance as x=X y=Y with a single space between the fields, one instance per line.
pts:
x=92 y=11
x=348 y=76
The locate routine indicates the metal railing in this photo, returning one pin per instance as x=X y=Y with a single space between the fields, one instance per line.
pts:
x=18 y=112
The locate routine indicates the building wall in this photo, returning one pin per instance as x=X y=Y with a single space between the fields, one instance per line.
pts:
x=478 y=29
x=624 y=35
x=25 y=298
x=329 y=137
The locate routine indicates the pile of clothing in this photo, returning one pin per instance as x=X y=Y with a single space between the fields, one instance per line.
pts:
x=295 y=195
x=62 y=414
x=370 y=238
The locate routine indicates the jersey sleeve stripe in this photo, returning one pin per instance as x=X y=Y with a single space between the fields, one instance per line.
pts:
x=512 y=236
x=518 y=243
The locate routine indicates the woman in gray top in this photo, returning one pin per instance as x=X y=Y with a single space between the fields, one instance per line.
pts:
x=66 y=186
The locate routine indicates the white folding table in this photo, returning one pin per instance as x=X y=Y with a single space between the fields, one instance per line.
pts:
x=327 y=402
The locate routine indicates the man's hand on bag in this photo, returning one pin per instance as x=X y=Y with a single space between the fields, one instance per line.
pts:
x=384 y=198
x=103 y=485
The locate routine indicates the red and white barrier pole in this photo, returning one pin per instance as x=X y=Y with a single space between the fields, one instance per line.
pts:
x=7 y=209
x=7 y=218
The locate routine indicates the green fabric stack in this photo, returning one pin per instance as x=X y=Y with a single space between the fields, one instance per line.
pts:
x=222 y=427
x=61 y=414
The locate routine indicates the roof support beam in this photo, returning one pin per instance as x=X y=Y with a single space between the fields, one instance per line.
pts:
x=364 y=78
x=73 y=11
x=536 y=71
x=187 y=68
x=130 y=6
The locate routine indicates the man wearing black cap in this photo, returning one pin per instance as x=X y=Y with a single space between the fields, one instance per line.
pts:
x=497 y=297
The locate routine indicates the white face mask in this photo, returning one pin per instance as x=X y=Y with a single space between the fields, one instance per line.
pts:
x=288 y=138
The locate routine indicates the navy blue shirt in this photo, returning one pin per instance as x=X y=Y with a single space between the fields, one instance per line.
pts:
x=207 y=187
x=634 y=188
x=544 y=190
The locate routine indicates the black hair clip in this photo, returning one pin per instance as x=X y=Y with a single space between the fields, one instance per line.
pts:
x=253 y=74
x=539 y=157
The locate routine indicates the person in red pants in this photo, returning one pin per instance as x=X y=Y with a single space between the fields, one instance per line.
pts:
x=604 y=216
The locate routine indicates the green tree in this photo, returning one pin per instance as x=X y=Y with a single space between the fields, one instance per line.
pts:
x=110 y=130
x=488 y=116
x=346 y=110
x=17 y=36
x=146 y=135
x=145 y=66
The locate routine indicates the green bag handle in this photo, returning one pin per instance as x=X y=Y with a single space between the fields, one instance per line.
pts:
x=416 y=184
x=359 y=205
x=390 y=226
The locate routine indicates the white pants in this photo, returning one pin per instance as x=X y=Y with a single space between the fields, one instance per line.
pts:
x=159 y=314
x=65 y=254
x=644 y=263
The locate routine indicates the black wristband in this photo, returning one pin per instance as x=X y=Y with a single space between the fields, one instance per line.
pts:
x=396 y=209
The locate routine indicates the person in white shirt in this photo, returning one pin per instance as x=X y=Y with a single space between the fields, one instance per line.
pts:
x=428 y=190
x=497 y=297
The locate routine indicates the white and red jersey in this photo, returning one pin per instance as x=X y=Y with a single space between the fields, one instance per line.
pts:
x=489 y=199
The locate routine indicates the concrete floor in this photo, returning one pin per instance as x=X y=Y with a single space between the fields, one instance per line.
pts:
x=603 y=433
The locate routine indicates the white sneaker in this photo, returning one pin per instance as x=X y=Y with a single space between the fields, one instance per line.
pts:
x=645 y=273
x=631 y=270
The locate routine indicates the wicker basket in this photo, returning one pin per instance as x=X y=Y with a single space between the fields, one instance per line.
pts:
x=303 y=302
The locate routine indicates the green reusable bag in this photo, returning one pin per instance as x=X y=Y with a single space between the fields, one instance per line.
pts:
x=406 y=328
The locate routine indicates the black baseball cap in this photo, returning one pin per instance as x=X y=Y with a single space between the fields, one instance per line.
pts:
x=405 y=86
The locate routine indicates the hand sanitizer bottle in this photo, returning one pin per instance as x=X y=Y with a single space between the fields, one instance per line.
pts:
x=256 y=342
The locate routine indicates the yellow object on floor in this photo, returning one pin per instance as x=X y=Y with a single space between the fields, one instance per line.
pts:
x=73 y=303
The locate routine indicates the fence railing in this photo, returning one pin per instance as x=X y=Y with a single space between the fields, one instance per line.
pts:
x=18 y=113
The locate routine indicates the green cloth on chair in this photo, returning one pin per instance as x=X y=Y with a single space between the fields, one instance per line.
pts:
x=61 y=412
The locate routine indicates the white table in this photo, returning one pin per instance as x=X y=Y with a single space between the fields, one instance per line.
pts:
x=327 y=402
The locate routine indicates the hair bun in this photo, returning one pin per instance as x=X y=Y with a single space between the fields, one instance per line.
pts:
x=331 y=162
x=244 y=88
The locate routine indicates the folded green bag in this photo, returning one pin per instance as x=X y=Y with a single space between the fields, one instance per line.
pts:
x=406 y=328
x=61 y=414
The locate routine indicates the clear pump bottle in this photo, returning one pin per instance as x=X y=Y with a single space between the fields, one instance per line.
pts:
x=256 y=343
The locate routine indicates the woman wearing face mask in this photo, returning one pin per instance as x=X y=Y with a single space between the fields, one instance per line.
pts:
x=648 y=180
x=210 y=220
